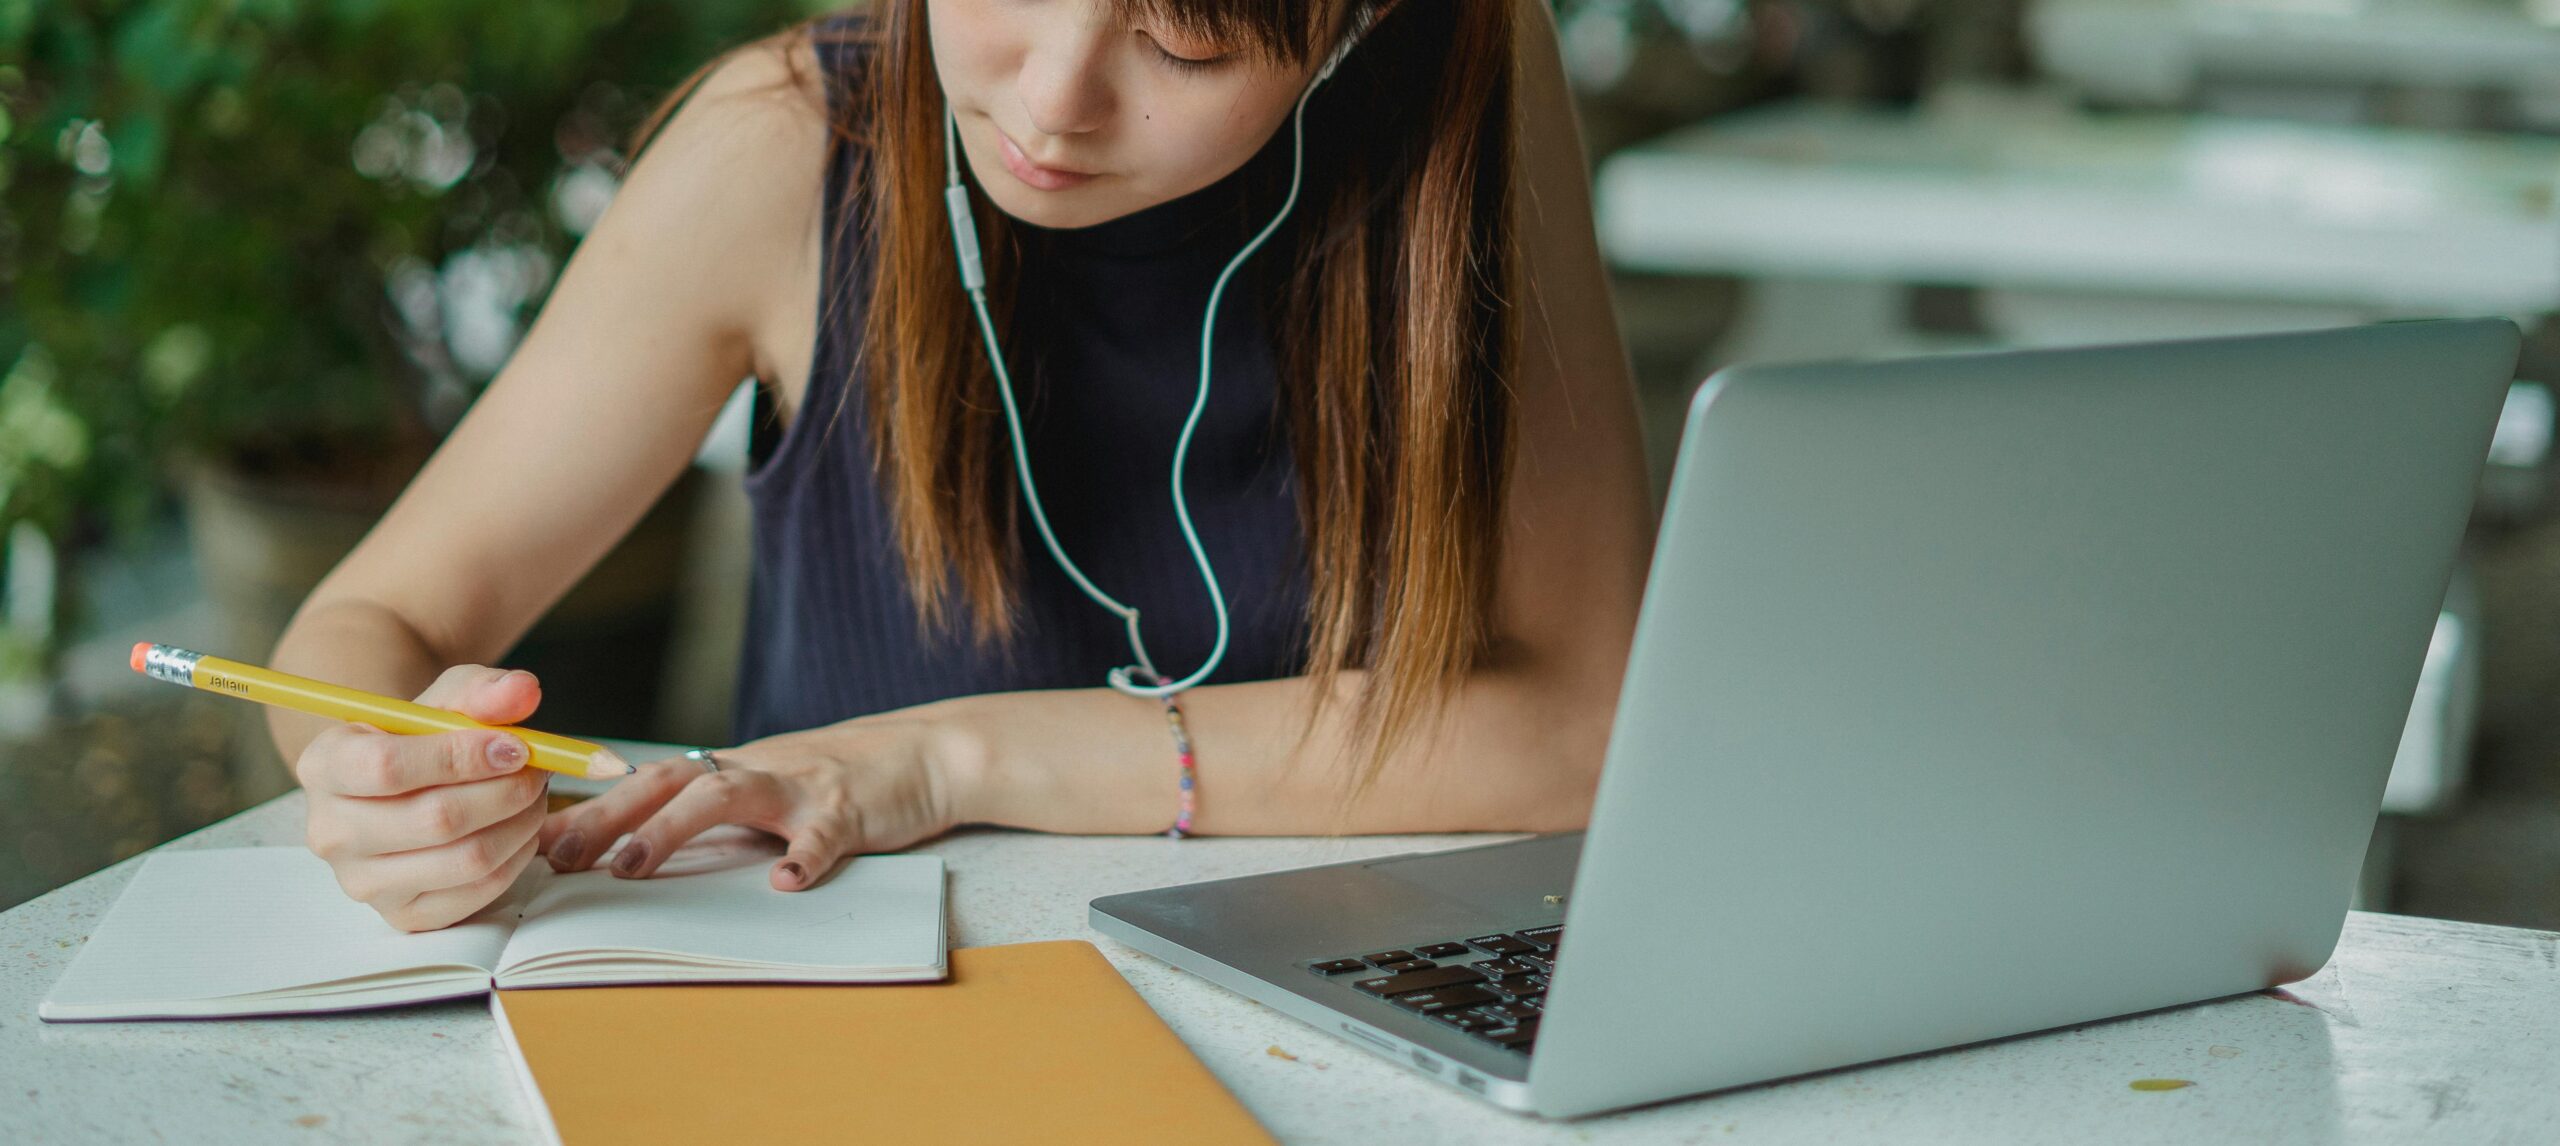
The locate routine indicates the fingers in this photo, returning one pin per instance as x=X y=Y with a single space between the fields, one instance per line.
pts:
x=812 y=854
x=358 y=826
x=669 y=802
x=488 y=695
x=361 y=760
x=446 y=906
x=574 y=838
x=460 y=863
x=732 y=796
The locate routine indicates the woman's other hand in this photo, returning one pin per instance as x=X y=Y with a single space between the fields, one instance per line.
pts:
x=873 y=784
x=428 y=829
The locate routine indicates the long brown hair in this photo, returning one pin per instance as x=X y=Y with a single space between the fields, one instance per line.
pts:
x=1397 y=399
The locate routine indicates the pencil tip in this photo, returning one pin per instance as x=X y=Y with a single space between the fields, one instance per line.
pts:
x=608 y=764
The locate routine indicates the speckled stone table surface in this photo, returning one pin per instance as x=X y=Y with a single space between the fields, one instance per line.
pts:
x=2417 y=1031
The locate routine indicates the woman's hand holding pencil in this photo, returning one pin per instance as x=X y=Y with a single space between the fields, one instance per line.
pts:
x=426 y=809
x=429 y=809
x=429 y=828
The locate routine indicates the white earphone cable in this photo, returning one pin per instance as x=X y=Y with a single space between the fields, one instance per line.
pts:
x=973 y=277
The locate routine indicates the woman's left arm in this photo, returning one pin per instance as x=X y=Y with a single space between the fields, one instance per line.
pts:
x=1519 y=747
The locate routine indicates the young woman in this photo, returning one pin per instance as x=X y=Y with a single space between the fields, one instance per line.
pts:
x=1392 y=590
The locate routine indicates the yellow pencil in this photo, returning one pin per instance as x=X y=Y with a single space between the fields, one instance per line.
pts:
x=561 y=754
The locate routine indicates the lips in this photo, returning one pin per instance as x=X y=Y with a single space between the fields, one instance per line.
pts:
x=1032 y=174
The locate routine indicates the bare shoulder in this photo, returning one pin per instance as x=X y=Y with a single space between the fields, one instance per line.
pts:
x=734 y=179
x=765 y=92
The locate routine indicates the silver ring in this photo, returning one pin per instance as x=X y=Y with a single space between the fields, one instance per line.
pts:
x=703 y=756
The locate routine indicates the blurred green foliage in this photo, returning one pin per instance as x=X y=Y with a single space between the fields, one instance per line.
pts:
x=293 y=233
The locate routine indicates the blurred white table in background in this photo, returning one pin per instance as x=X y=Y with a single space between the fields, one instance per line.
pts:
x=2075 y=225
x=2303 y=52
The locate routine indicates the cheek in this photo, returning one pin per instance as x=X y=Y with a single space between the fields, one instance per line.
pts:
x=1194 y=142
x=971 y=43
x=1179 y=153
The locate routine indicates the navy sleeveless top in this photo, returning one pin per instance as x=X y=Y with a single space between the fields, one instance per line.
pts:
x=1104 y=348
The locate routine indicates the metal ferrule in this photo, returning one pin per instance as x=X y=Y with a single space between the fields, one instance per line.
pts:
x=172 y=664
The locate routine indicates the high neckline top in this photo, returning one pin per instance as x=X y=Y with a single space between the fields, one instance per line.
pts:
x=1104 y=347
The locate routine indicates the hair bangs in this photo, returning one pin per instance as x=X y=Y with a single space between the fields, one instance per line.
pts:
x=1284 y=30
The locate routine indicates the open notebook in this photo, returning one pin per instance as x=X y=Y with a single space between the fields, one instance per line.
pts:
x=260 y=931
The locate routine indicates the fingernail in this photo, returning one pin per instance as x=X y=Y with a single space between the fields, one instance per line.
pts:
x=564 y=851
x=632 y=856
x=506 y=754
x=792 y=869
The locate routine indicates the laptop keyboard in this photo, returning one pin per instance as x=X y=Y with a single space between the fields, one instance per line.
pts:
x=1493 y=987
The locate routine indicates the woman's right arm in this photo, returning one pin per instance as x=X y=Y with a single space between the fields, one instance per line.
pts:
x=688 y=284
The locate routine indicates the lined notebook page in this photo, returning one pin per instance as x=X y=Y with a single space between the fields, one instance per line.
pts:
x=234 y=921
x=720 y=905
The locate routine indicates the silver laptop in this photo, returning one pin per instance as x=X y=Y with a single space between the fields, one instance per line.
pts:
x=1972 y=695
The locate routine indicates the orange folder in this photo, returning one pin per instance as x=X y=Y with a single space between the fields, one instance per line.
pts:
x=1034 y=1042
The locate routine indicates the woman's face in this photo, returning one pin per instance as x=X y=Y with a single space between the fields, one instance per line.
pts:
x=1070 y=118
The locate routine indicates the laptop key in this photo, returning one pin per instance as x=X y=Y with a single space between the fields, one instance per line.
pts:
x=1514 y=1012
x=1408 y=965
x=1516 y=1038
x=1547 y=937
x=1538 y=963
x=1412 y=981
x=1456 y=998
x=1468 y=1021
x=1383 y=958
x=1505 y=968
x=1501 y=945
x=1338 y=967
x=1440 y=950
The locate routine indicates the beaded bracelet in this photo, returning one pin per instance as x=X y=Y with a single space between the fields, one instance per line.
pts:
x=1182 y=754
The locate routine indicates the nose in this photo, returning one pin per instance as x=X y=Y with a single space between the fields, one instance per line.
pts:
x=1063 y=86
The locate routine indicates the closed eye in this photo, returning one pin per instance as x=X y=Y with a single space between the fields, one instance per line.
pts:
x=1191 y=63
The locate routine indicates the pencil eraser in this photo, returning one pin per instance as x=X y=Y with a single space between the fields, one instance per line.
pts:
x=141 y=653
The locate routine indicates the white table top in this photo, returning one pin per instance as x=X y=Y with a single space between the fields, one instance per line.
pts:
x=2012 y=193
x=2417 y=1031
x=2160 y=50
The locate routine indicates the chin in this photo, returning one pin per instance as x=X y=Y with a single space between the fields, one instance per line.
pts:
x=1056 y=210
